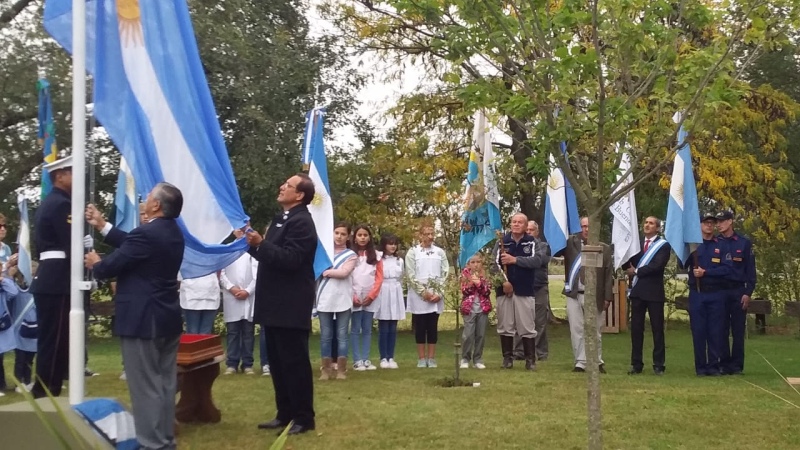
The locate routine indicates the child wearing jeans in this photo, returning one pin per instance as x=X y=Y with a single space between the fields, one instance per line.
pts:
x=391 y=306
x=475 y=307
x=367 y=280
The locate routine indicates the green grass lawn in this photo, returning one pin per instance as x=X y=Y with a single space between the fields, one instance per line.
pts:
x=403 y=409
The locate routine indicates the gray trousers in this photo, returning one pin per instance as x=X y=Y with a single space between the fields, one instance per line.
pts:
x=516 y=315
x=473 y=337
x=151 y=369
x=542 y=308
x=576 y=334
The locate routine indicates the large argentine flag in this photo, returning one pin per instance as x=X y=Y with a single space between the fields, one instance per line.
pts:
x=481 y=219
x=683 y=213
x=24 y=241
x=560 y=208
x=125 y=200
x=321 y=208
x=625 y=229
x=152 y=97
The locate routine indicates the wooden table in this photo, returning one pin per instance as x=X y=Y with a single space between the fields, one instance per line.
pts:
x=194 y=384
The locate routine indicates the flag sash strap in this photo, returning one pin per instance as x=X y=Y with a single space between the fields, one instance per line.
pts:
x=573 y=274
x=340 y=259
x=648 y=255
x=25 y=310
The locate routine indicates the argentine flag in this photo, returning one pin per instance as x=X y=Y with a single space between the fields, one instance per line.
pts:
x=683 y=213
x=151 y=95
x=125 y=200
x=321 y=208
x=24 y=241
x=481 y=219
x=560 y=207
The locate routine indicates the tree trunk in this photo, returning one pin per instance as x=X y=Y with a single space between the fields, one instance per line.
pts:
x=592 y=344
x=11 y=13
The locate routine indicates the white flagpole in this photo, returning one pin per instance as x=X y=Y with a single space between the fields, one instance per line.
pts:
x=77 y=326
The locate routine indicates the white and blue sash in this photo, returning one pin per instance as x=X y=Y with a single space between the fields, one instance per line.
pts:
x=648 y=256
x=573 y=274
x=340 y=259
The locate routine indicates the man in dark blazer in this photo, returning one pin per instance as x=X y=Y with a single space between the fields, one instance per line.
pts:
x=646 y=272
x=50 y=286
x=285 y=295
x=574 y=291
x=147 y=308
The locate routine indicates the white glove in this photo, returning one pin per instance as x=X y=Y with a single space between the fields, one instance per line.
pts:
x=88 y=242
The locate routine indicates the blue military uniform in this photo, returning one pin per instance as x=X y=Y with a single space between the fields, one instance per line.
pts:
x=742 y=282
x=50 y=289
x=707 y=297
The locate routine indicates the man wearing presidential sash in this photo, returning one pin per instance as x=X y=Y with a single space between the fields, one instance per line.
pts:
x=646 y=272
x=574 y=289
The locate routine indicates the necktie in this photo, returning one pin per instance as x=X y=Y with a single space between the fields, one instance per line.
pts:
x=646 y=244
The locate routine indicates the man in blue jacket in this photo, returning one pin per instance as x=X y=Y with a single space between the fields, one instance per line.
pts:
x=148 y=312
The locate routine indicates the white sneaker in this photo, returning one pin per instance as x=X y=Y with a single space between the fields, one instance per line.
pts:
x=393 y=364
x=368 y=365
x=422 y=363
x=123 y=377
x=432 y=363
x=2 y=394
x=230 y=371
x=265 y=370
x=480 y=366
x=384 y=363
x=464 y=364
x=249 y=371
x=358 y=366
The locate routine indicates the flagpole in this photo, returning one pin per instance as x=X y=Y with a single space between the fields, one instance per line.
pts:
x=77 y=325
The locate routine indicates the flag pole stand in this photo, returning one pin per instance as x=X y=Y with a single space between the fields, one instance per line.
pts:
x=77 y=327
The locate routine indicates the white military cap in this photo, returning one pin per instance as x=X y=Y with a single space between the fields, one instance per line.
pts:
x=63 y=163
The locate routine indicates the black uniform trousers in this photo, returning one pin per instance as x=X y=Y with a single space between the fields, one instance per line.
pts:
x=290 y=366
x=52 y=348
x=656 y=311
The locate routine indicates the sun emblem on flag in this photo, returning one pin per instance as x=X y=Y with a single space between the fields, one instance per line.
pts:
x=554 y=183
x=679 y=190
x=319 y=196
x=130 y=25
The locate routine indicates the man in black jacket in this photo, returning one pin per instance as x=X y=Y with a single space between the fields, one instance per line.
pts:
x=646 y=272
x=284 y=299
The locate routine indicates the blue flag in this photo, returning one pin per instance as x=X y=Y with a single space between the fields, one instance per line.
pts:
x=152 y=97
x=125 y=200
x=481 y=219
x=560 y=207
x=47 y=132
x=682 y=227
x=321 y=207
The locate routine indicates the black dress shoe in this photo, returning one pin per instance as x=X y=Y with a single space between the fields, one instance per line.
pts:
x=578 y=370
x=634 y=371
x=300 y=429
x=658 y=371
x=602 y=368
x=273 y=425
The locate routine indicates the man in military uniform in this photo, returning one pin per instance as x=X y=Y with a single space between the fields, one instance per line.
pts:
x=51 y=284
x=743 y=282
x=708 y=285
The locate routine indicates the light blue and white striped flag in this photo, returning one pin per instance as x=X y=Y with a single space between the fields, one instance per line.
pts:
x=682 y=228
x=152 y=97
x=560 y=208
x=24 y=241
x=321 y=207
x=481 y=218
x=625 y=229
x=125 y=200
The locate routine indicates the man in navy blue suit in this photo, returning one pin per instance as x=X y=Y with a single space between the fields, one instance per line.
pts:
x=148 y=312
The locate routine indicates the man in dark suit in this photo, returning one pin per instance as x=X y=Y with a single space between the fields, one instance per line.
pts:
x=646 y=271
x=574 y=291
x=284 y=298
x=147 y=308
x=51 y=284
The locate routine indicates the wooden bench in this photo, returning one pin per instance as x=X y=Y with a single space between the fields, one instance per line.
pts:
x=758 y=306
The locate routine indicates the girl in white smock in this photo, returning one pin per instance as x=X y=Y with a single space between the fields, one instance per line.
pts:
x=391 y=306
x=426 y=270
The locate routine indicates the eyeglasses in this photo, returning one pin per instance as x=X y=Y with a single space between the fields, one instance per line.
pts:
x=290 y=186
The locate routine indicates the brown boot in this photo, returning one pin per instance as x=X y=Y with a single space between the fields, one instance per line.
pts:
x=326 y=369
x=341 y=364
